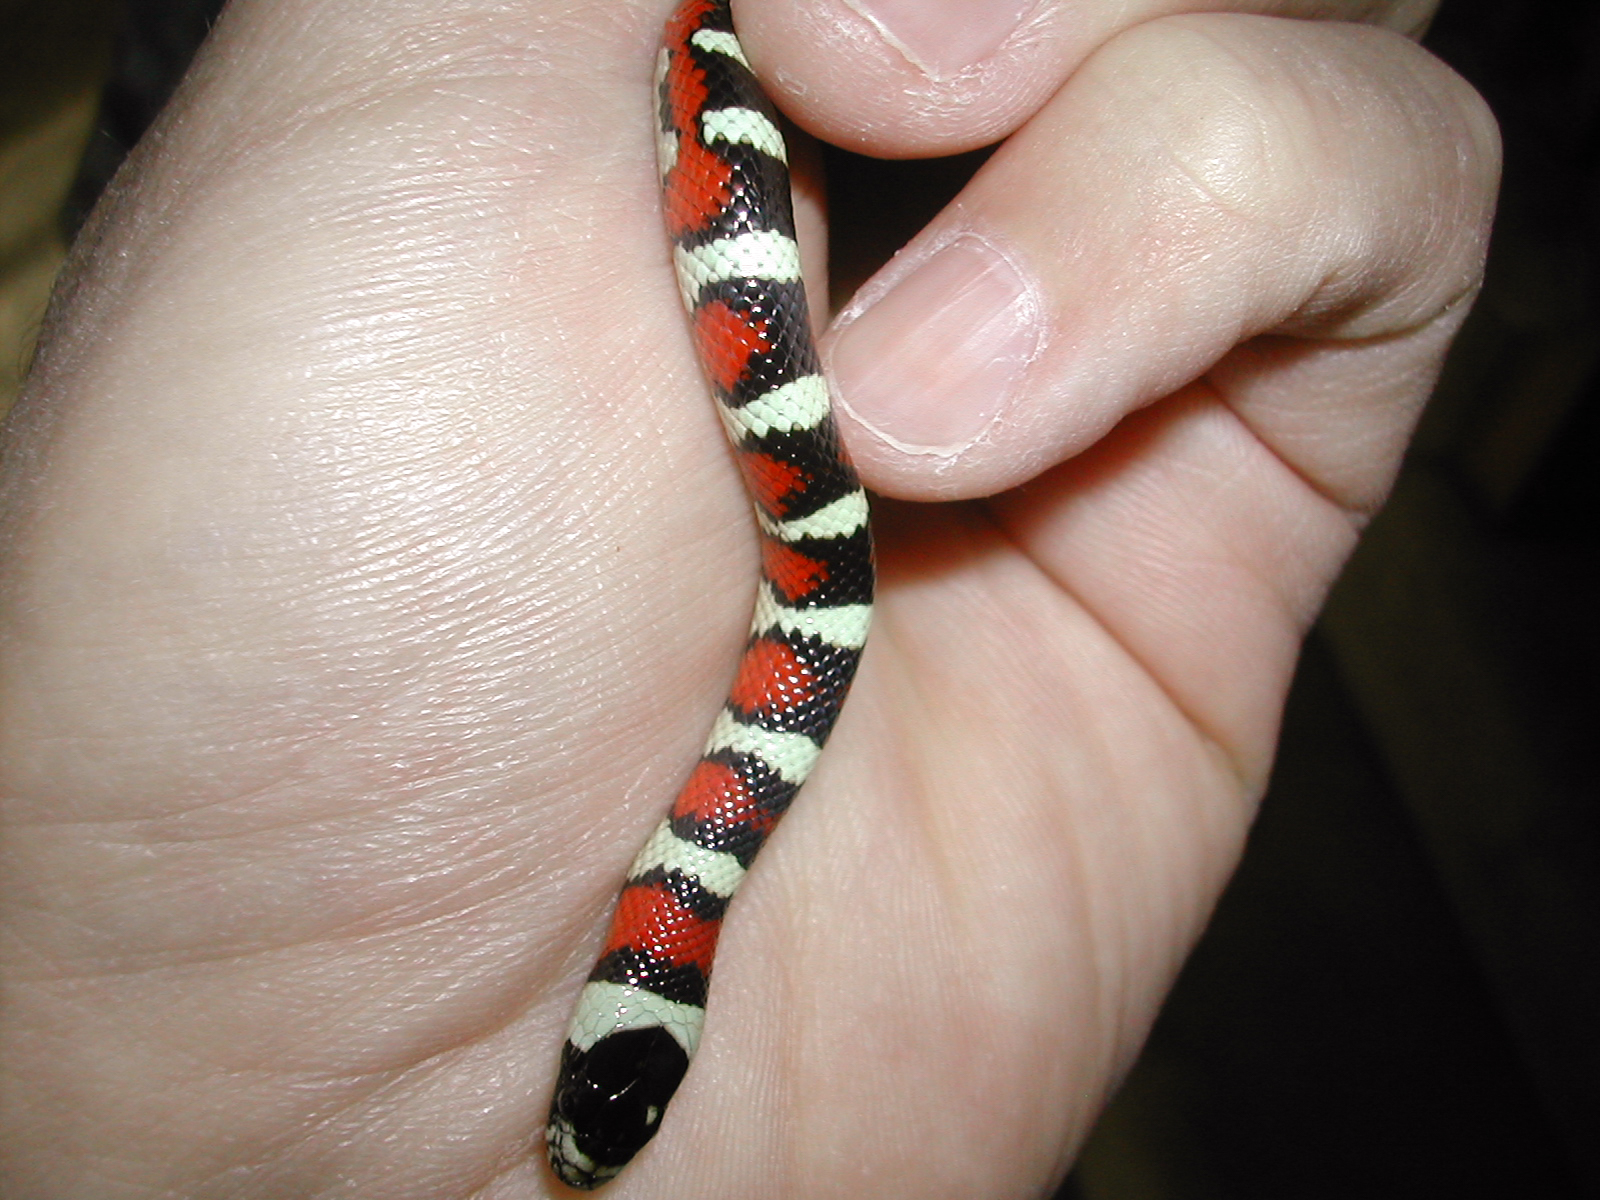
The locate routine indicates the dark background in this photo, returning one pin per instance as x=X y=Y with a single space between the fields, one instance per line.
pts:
x=1399 y=994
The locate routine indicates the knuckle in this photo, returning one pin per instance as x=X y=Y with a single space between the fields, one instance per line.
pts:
x=1212 y=121
x=1344 y=149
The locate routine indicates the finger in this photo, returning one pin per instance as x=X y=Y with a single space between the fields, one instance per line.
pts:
x=904 y=78
x=1202 y=181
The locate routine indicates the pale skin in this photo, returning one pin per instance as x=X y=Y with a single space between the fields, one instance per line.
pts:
x=374 y=567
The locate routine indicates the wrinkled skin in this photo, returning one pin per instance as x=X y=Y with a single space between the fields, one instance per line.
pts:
x=373 y=569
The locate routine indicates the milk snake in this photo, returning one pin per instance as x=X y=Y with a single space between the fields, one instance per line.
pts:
x=725 y=178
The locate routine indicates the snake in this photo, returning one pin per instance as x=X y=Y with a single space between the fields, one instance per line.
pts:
x=729 y=215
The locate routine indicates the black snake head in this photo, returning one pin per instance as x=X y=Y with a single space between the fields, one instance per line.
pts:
x=609 y=1102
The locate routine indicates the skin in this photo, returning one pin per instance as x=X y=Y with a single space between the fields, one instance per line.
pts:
x=368 y=536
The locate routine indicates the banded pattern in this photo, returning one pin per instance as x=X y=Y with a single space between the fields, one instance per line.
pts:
x=725 y=177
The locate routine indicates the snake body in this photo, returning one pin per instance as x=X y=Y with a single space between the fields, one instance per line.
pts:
x=725 y=181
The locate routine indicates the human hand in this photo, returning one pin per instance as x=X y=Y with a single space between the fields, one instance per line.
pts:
x=368 y=505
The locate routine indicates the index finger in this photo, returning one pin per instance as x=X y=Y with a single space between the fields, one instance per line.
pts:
x=913 y=78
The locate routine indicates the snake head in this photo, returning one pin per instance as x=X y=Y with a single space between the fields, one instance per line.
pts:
x=609 y=1102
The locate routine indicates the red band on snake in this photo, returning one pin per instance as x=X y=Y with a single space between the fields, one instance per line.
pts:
x=725 y=179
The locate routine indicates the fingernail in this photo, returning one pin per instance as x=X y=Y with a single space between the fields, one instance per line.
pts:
x=930 y=363
x=944 y=36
